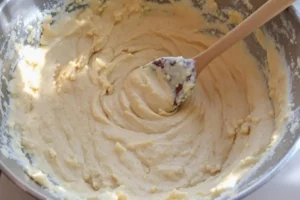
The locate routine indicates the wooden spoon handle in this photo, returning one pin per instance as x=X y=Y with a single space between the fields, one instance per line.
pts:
x=266 y=12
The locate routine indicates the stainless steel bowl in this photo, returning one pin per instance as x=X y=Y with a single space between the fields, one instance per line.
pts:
x=15 y=15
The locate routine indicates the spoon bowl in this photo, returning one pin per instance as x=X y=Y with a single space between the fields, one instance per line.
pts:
x=179 y=72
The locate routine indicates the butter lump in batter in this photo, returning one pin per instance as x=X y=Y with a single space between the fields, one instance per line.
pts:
x=102 y=129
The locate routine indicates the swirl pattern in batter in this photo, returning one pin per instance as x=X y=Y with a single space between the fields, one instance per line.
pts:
x=103 y=128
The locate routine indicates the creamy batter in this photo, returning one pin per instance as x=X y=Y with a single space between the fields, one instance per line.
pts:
x=102 y=130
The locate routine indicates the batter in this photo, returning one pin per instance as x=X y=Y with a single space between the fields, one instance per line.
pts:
x=97 y=128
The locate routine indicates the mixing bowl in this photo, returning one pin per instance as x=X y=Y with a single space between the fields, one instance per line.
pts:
x=15 y=15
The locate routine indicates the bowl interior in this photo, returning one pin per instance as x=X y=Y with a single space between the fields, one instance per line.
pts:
x=15 y=15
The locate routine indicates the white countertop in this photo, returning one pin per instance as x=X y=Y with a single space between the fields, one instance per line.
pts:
x=285 y=185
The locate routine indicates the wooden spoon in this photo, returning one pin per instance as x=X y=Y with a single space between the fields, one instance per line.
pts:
x=181 y=73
